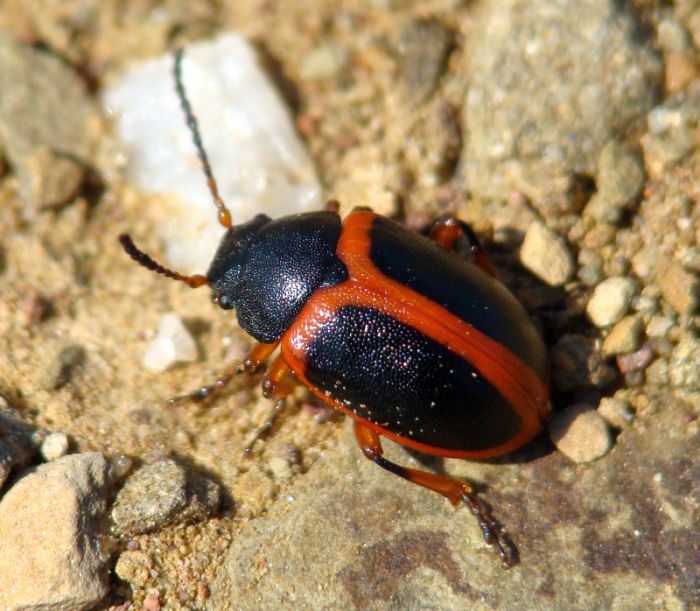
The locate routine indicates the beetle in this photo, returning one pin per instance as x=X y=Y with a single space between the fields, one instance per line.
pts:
x=410 y=335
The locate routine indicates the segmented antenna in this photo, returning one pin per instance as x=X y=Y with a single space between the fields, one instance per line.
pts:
x=194 y=281
x=224 y=215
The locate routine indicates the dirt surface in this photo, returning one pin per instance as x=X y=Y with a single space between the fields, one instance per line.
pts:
x=379 y=91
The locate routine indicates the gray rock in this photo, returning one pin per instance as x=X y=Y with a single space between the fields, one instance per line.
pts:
x=53 y=555
x=551 y=83
x=160 y=494
x=46 y=123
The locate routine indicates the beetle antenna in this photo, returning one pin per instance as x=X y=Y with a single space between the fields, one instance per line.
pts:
x=193 y=281
x=224 y=215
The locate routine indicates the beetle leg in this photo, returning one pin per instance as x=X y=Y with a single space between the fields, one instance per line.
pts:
x=332 y=205
x=455 y=235
x=453 y=490
x=278 y=383
x=258 y=355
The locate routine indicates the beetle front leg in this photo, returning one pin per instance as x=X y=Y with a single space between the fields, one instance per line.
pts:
x=455 y=491
x=258 y=355
x=456 y=236
x=278 y=384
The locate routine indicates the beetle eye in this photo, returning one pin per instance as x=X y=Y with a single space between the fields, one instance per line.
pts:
x=223 y=301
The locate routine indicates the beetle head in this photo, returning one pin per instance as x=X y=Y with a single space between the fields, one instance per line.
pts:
x=224 y=270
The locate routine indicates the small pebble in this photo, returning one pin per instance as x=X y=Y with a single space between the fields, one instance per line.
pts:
x=122 y=465
x=663 y=118
x=598 y=236
x=590 y=275
x=580 y=433
x=617 y=412
x=679 y=288
x=636 y=361
x=690 y=259
x=644 y=262
x=624 y=336
x=684 y=369
x=681 y=70
x=663 y=150
x=54 y=446
x=659 y=326
x=546 y=255
x=672 y=36
x=657 y=373
x=323 y=62
x=621 y=178
x=151 y=603
x=280 y=468
x=172 y=344
x=33 y=308
x=134 y=567
x=610 y=301
x=646 y=305
x=634 y=378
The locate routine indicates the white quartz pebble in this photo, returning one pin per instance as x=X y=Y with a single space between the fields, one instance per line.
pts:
x=256 y=155
x=172 y=344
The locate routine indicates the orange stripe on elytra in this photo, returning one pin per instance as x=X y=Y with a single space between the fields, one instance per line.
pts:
x=369 y=287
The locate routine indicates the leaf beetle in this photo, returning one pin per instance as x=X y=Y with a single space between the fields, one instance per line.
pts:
x=410 y=335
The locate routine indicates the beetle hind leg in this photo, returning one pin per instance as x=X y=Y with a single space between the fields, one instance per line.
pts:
x=258 y=355
x=456 y=492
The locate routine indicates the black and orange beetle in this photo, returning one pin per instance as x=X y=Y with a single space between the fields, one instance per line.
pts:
x=410 y=335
